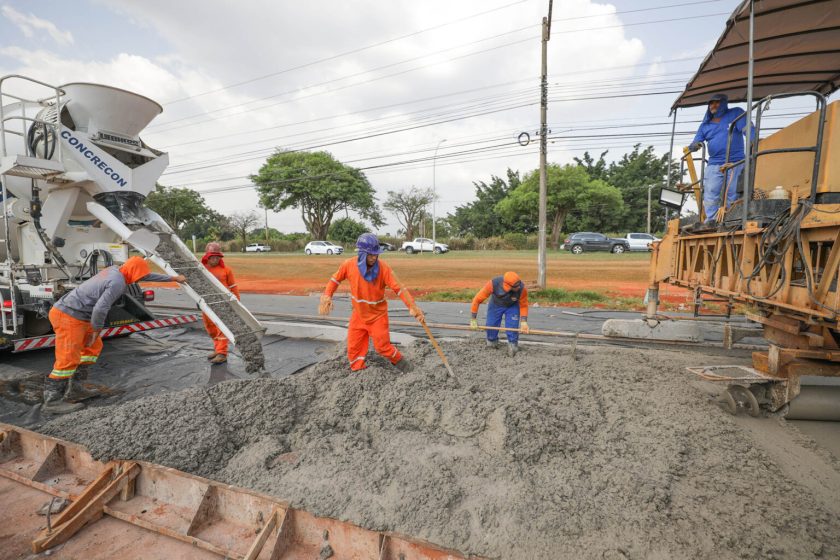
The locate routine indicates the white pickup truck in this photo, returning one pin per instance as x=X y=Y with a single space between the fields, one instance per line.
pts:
x=421 y=244
x=257 y=248
x=640 y=241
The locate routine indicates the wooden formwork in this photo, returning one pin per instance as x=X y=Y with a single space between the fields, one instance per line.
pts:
x=134 y=509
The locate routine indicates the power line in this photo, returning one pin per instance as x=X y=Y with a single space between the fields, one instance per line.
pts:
x=424 y=125
x=419 y=32
x=482 y=51
x=346 y=53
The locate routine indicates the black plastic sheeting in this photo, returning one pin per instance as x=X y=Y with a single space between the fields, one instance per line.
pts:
x=153 y=362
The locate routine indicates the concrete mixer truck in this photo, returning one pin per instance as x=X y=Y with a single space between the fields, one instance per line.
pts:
x=74 y=174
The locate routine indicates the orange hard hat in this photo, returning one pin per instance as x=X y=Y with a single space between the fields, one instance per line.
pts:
x=511 y=279
x=134 y=269
x=213 y=249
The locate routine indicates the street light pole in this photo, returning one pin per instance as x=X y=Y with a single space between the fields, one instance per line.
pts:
x=434 y=195
x=650 y=187
x=541 y=242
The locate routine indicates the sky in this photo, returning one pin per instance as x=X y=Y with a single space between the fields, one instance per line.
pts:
x=416 y=94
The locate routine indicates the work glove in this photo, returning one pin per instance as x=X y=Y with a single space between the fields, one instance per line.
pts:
x=696 y=146
x=326 y=305
x=523 y=327
x=91 y=338
x=474 y=324
x=417 y=313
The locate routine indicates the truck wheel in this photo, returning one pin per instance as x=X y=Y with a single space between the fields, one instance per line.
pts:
x=409 y=250
x=618 y=249
x=577 y=249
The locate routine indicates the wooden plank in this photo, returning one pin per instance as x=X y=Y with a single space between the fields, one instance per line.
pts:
x=35 y=484
x=281 y=540
x=91 y=511
x=775 y=322
x=259 y=542
x=167 y=532
x=86 y=496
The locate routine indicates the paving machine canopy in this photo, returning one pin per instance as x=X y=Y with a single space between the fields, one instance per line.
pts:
x=796 y=48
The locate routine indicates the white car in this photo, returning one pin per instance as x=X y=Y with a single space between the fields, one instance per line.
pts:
x=257 y=248
x=421 y=244
x=640 y=241
x=322 y=248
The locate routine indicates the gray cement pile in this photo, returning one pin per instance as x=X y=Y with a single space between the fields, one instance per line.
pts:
x=247 y=341
x=557 y=453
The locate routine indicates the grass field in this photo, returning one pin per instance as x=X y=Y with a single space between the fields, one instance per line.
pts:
x=592 y=280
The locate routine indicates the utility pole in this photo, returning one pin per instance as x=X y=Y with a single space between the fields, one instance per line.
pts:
x=266 y=225
x=541 y=244
x=434 y=196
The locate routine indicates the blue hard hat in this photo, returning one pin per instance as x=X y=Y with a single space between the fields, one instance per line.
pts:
x=368 y=243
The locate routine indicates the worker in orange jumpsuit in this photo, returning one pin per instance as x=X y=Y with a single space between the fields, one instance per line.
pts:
x=213 y=260
x=77 y=319
x=509 y=299
x=368 y=276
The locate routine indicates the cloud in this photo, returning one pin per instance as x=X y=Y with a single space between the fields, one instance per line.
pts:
x=30 y=24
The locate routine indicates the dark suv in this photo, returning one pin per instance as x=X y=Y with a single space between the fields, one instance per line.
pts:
x=583 y=241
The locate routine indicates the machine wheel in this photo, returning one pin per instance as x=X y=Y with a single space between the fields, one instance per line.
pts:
x=618 y=249
x=308 y=251
x=729 y=403
x=577 y=249
x=329 y=251
x=738 y=396
x=409 y=250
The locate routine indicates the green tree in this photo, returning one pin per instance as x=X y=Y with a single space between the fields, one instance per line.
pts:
x=409 y=206
x=177 y=205
x=210 y=225
x=599 y=208
x=480 y=218
x=347 y=230
x=596 y=169
x=317 y=184
x=569 y=188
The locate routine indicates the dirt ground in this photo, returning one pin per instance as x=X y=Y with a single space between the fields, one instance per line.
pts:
x=557 y=453
x=617 y=275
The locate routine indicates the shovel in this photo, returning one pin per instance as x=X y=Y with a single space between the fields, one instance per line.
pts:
x=439 y=351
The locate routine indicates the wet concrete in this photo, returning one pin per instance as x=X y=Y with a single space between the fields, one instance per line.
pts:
x=562 y=452
x=155 y=362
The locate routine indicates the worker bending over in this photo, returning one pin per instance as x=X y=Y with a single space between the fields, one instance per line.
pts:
x=77 y=319
x=508 y=299
x=213 y=260
x=368 y=276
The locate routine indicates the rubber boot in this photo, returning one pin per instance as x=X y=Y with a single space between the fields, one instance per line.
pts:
x=76 y=392
x=403 y=365
x=54 y=402
x=512 y=350
x=219 y=359
x=492 y=344
x=82 y=372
